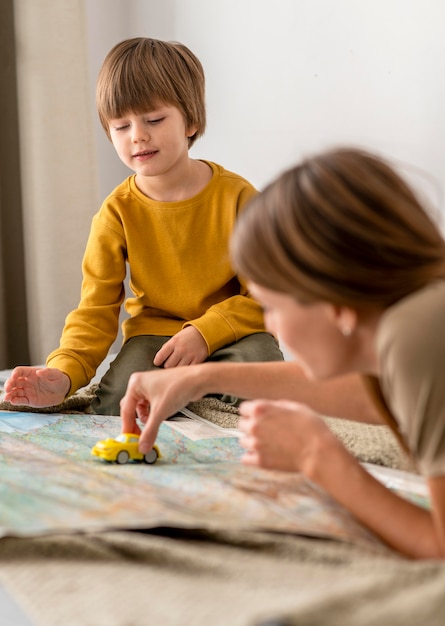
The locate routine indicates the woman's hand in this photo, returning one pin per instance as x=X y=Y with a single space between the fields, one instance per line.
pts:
x=154 y=396
x=283 y=435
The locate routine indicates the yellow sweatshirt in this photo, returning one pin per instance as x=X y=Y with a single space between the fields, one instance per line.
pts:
x=177 y=258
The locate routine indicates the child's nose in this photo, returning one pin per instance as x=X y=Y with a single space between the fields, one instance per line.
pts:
x=140 y=133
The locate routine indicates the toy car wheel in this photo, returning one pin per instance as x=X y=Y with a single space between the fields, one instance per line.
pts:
x=151 y=457
x=122 y=457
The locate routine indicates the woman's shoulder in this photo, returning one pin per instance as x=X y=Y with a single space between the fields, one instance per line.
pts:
x=411 y=352
x=422 y=311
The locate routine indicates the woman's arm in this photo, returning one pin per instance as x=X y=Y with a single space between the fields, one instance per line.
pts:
x=291 y=437
x=436 y=487
x=155 y=396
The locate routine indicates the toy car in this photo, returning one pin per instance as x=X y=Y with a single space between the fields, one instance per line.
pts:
x=123 y=449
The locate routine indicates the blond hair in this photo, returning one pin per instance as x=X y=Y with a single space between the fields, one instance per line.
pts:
x=342 y=227
x=140 y=74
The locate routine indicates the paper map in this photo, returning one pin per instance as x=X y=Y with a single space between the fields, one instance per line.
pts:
x=51 y=483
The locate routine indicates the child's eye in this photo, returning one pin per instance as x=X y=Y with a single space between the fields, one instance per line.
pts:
x=122 y=127
x=156 y=121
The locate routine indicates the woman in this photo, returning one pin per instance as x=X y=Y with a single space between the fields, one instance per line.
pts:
x=349 y=268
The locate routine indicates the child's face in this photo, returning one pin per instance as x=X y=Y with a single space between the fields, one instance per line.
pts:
x=153 y=143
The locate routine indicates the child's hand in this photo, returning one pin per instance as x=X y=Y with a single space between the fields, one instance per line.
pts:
x=187 y=347
x=36 y=386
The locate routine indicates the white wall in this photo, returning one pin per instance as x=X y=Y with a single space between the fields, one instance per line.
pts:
x=284 y=77
x=288 y=77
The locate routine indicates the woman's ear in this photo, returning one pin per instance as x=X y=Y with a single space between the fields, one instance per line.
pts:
x=344 y=318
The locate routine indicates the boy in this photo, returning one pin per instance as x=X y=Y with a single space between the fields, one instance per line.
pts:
x=171 y=223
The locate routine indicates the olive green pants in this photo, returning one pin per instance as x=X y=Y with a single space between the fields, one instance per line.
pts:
x=137 y=355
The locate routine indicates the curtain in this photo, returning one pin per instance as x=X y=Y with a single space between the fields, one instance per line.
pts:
x=48 y=190
x=14 y=341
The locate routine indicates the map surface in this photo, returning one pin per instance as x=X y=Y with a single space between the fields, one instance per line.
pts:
x=50 y=483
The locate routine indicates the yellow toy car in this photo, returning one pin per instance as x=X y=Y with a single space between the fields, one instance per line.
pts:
x=124 y=448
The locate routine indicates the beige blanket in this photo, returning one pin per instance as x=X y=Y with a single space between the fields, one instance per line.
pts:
x=177 y=577
x=180 y=578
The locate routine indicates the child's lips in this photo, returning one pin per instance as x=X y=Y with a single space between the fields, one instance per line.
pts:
x=144 y=154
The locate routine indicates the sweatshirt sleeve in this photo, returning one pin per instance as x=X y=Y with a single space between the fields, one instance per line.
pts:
x=229 y=321
x=90 y=329
x=238 y=315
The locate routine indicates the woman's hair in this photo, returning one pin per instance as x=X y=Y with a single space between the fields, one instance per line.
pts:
x=342 y=227
x=138 y=75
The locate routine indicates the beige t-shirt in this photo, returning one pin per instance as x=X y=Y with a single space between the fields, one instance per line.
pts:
x=411 y=353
